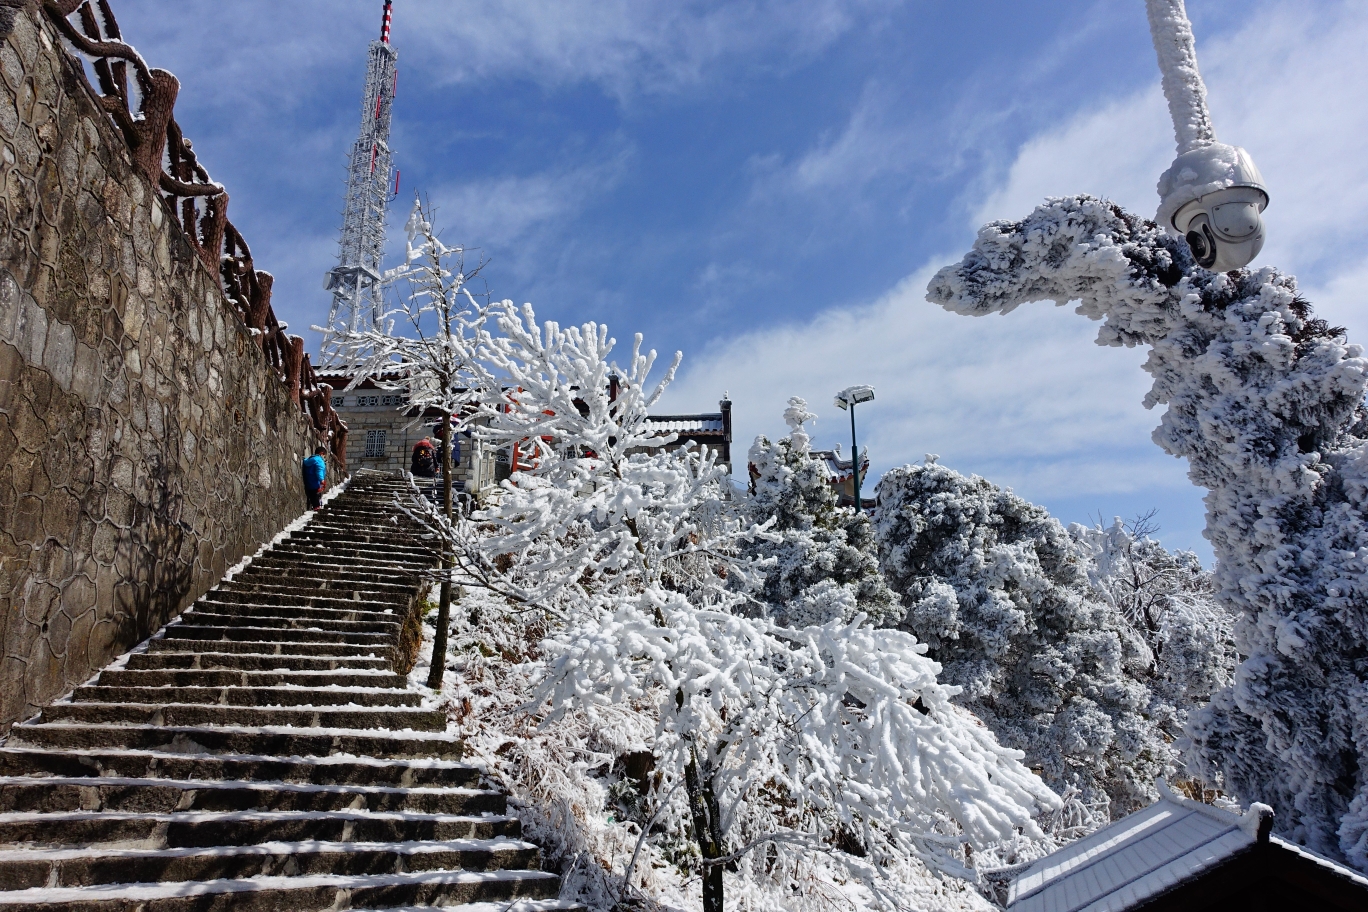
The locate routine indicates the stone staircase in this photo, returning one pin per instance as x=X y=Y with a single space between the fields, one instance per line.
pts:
x=260 y=753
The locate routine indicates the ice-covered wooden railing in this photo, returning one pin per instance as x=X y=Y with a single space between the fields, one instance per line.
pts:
x=195 y=202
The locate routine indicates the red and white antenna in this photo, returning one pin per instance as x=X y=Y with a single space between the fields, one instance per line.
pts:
x=355 y=281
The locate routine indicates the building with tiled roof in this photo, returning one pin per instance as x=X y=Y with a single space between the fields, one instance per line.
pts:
x=1183 y=855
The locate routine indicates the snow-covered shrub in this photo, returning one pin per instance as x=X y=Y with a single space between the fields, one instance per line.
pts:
x=1266 y=403
x=770 y=742
x=1169 y=600
x=584 y=788
x=825 y=560
x=1000 y=593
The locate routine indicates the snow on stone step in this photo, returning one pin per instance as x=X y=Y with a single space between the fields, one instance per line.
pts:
x=251 y=695
x=85 y=867
x=145 y=830
x=39 y=794
x=306 y=893
x=522 y=905
x=282 y=741
x=333 y=770
x=192 y=714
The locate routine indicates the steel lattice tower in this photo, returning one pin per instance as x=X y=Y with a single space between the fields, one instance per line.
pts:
x=355 y=281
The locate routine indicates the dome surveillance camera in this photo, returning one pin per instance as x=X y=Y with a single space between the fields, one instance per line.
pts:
x=1214 y=197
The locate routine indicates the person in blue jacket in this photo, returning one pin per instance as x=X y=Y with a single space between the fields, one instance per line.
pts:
x=315 y=473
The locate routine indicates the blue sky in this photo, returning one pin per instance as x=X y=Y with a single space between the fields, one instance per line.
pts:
x=768 y=185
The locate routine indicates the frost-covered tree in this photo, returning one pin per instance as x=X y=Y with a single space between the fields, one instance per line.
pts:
x=825 y=563
x=786 y=739
x=425 y=345
x=1000 y=593
x=1169 y=600
x=1266 y=403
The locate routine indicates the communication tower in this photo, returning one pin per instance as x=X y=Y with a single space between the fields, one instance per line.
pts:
x=355 y=281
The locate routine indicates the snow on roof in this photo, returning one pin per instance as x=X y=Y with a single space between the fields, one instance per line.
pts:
x=838 y=469
x=1140 y=856
x=687 y=424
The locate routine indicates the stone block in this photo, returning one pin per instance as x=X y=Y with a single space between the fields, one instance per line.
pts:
x=30 y=330
x=59 y=356
x=11 y=68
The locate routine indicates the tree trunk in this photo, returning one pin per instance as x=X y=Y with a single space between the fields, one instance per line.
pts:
x=439 y=642
x=707 y=825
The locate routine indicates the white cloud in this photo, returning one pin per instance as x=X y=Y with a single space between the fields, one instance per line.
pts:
x=1028 y=396
x=1028 y=400
x=626 y=46
x=501 y=210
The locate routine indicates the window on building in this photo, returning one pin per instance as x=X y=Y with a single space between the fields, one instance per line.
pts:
x=375 y=443
x=337 y=401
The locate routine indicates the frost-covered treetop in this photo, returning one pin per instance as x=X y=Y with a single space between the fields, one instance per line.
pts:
x=557 y=381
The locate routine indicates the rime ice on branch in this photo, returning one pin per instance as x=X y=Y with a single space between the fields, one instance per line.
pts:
x=1266 y=404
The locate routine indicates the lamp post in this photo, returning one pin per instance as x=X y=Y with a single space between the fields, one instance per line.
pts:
x=846 y=400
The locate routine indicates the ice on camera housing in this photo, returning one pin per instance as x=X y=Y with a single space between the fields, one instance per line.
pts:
x=1214 y=197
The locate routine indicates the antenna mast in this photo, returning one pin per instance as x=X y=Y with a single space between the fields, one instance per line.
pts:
x=355 y=281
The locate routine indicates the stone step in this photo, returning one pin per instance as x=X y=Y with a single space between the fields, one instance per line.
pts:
x=376 y=558
x=333 y=575
x=261 y=580
x=249 y=696
x=182 y=631
x=298 y=894
x=392 y=555
x=354 y=527
x=190 y=714
x=289 y=649
x=148 y=677
x=17 y=761
x=263 y=606
x=248 y=661
x=279 y=617
x=408 y=539
x=522 y=905
x=35 y=795
x=287 y=742
x=28 y=868
x=208 y=828
x=341 y=598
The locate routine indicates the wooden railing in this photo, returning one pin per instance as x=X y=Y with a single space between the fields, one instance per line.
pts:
x=166 y=159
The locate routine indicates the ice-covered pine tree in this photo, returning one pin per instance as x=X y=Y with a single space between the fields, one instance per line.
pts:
x=1169 y=600
x=1266 y=403
x=825 y=561
x=791 y=739
x=1000 y=593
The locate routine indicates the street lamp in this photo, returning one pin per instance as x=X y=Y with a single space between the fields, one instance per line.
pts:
x=846 y=399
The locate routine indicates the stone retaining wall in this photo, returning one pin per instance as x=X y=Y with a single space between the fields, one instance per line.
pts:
x=145 y=444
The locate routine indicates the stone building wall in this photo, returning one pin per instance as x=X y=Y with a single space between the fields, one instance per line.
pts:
x=381 y=436
x=145 y=445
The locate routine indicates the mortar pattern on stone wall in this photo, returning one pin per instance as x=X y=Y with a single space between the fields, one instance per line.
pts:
x=145 y=442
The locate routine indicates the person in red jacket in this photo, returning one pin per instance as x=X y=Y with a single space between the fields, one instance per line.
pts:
x=424 y=463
